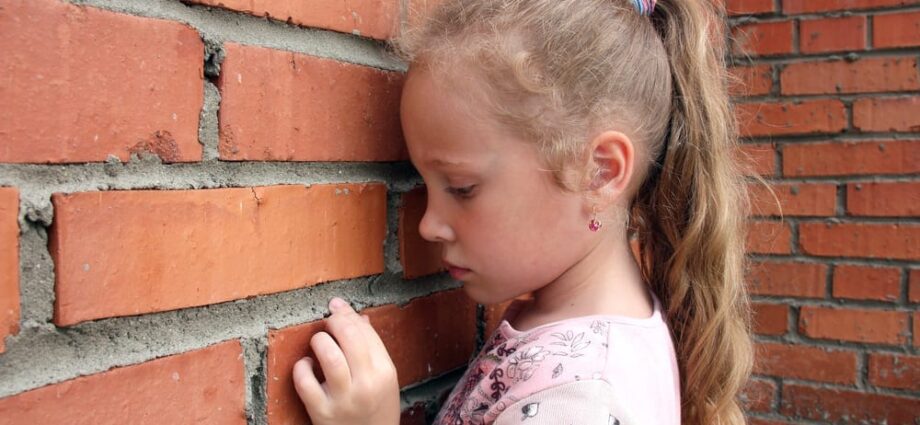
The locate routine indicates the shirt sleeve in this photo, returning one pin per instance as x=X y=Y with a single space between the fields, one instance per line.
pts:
x=588 y=402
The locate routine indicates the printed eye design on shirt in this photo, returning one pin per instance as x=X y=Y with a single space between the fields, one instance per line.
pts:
x=530 y=410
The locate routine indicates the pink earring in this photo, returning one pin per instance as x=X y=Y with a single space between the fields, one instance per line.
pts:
x=594 y=225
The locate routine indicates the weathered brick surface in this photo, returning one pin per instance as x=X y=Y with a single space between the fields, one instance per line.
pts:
x=892 y=30
x=847 y=406
x=369 y=18
x=895 y=199
x=895 y=371
x=758 y=395
x=769 y=237
x=320 y=109
x=201 y=386
x=752 y=80
x=90 y=83
x=758 y=158
x=797 y=127
x=900 y=114
x=749 y=7
x=808 y=6
x=867 y=283
x=794 y=279
x=852 y=157
x=427 y=337
x=788 y=199
x=418 y=256
x=134 y=252
x=832 y=35
x=762 y=39
x=770 y=319
x=9 y=264
x=808 y=363
x=856 y=325
x=861 y=76
x=805 y=117
x=900 y=241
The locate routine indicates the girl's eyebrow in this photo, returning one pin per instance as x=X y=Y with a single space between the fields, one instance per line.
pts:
x=448 y=163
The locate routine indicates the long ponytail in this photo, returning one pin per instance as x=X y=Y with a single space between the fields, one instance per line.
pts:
x=690 y=217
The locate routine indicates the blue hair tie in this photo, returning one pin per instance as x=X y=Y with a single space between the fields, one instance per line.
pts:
x=644 y=7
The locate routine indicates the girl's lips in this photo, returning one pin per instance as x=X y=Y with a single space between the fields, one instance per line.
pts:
x=457 y=272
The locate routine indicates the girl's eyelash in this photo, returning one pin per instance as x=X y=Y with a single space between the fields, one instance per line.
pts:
x=463 y=192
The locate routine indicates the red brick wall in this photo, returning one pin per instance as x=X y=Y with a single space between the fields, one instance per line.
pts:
x=829 y=104
x=182 y=226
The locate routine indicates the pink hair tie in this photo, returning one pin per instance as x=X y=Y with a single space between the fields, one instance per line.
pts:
x=645 y=7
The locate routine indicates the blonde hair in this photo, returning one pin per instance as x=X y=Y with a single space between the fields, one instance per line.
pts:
x=558 y=71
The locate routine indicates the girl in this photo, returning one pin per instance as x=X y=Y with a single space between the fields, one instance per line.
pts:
x=547 y=133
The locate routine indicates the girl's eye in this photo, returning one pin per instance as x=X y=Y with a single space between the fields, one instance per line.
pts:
x=463 y=192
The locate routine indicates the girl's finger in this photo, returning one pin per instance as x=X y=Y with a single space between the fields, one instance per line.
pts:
x=348 y=329
x=375 y=344
x=307 y=386
x=333 y=362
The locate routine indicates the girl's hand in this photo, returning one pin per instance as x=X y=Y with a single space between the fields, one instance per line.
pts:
x=361 y=386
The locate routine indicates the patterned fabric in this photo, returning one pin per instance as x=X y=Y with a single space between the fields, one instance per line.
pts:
x=645 y=7
x=633 y=358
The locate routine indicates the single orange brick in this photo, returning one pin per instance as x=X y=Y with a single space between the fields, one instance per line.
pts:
x=807 y=6
x=867 y=283
x=769 y=237
x=806 y=117
x=802 y=199
x=757 y=158
x=894 y=371
x=90 y=83
x=370 y=18
x=793 y=279
x=894 y=199
x=913 y=291
x=749 y=7
x=201 y=386
x=804 y=362
x=833 y=35
x=762 y=39
x=135 y=252
x=770 y=319
x=831 y=405
x=861 y=76
x=855 y=325
x=896 y=241
x=426 y=338
x=852 y=157
x=321 y=109
x=9 y=264
x=887 y=114
x=752 y=80
x=758 y=395
x=418 y=256
x=896 y=30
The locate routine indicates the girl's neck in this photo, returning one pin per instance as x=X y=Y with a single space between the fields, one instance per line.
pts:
x=605 y=281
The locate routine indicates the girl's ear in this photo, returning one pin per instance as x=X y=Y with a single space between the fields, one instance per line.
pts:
x=612 y=157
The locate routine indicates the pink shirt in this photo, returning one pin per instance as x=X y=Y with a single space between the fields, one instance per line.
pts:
x=591 y=370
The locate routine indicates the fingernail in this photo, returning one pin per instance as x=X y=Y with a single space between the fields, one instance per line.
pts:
x=337 y=303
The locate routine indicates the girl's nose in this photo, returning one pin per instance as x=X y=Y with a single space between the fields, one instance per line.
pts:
x=433 y=228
